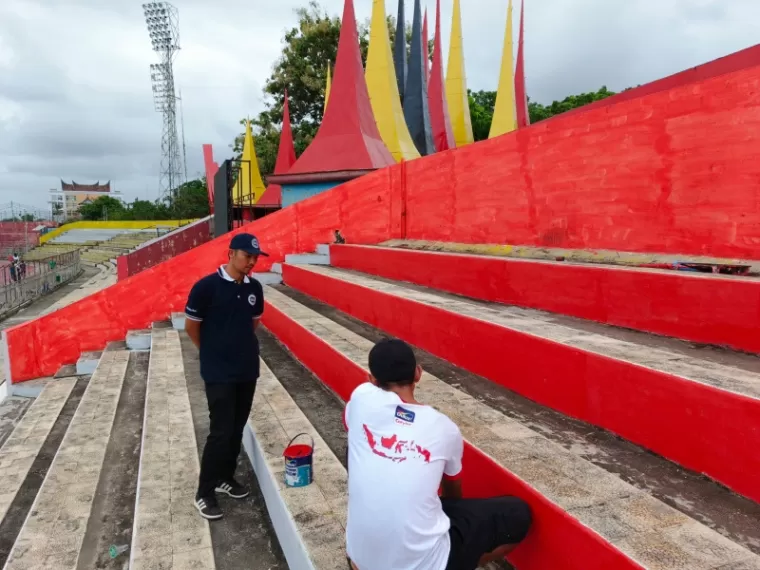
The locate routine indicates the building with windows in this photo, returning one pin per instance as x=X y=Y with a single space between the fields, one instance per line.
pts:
x=65 y=203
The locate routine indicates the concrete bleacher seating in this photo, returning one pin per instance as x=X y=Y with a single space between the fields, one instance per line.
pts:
x=532 y=416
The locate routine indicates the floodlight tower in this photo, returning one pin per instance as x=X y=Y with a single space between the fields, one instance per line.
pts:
x=163 y=27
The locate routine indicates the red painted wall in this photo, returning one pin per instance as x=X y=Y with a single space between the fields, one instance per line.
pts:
x=672 y=172
x=556 y=540
x=705 y=309
x=361 y=209
x=738 y=61
x=169 y=246
x=700 y=427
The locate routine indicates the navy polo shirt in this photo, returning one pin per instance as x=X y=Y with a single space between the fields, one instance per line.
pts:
x=227 y=309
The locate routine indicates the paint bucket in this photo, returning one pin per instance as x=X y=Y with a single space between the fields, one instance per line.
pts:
x=298 y=462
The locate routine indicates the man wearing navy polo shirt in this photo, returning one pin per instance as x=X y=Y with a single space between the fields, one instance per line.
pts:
x=222 y=312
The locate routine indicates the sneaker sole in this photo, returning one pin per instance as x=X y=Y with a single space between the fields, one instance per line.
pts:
x=220 y=490
x=205 y=516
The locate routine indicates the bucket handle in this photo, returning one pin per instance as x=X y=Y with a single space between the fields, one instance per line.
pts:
x=299 y=435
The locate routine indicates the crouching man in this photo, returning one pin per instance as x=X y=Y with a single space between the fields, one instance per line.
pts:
x=400 y=453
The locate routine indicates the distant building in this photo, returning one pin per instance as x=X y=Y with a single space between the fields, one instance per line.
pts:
x=65 y=203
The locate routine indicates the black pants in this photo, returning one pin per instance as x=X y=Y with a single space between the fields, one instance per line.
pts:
x=229 y=406
x=480 y=526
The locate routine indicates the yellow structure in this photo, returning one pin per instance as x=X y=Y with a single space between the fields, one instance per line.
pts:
x=327 y=88
x=456 y=83
x=113 y=225
x=249 y=187
x=505 y=113
x=383 y=89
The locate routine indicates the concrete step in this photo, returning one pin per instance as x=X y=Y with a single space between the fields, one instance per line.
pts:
x=178 y=321
x=641 y=387
x=307 y=259
x=323 y=249
x=277 y=268
x=311 y=520
x=665 y=302
x=88 y=362
x=167 y=529
x=608 y=523
x=139 y=340
x=26 y=457
x=269 y=278
x=53 y=533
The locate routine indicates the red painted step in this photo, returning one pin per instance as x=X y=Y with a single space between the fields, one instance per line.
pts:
x=700 y=308
x=705 y=417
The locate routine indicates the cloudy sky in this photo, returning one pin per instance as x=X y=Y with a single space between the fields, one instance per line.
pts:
x=76 y=102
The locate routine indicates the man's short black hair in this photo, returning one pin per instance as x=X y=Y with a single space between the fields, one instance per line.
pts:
x=392 y=361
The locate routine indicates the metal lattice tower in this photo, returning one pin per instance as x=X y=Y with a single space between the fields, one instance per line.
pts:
x=163 y=27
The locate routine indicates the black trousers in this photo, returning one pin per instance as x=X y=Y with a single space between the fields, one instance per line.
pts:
x=229 y=406
x=479 y=526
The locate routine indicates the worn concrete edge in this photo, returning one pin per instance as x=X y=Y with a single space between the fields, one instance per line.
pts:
x=593 y=256
x=33 y=506
x=140 y=465
x=291 y=543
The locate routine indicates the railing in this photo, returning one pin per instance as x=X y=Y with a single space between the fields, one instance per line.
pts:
x=23 y=282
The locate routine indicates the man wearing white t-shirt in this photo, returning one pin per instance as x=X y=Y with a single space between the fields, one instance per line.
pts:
x=400 y=453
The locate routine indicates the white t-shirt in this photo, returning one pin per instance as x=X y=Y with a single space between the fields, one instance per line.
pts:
x=397 y=455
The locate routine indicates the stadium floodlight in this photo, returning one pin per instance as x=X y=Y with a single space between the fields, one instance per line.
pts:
x=162 y=21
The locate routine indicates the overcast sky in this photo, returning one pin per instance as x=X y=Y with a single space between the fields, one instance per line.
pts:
x=76 y=102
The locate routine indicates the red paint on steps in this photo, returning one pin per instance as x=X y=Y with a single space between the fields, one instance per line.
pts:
x=556 y=540
x=703 y=309
x=704 y=429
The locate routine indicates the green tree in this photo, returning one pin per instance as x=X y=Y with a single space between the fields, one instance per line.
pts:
x=481 y=112
x=103 y=208
x=190 y=201
x=482 y=105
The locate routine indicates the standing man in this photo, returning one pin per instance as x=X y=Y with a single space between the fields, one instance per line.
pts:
x=222 y=312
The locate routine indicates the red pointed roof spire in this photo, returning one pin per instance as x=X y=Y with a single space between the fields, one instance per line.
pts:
x=286 y=157
x=440 y=122
x=348 y=138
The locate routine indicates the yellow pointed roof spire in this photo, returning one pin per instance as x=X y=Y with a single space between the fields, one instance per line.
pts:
x=505 y=113
x=383 y=89
x=249 y=187
x=456 y=83
x=327 y=88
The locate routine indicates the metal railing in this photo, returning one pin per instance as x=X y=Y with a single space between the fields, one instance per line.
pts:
x=22 y=282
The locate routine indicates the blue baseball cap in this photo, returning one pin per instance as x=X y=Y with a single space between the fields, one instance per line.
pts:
x=248 y=243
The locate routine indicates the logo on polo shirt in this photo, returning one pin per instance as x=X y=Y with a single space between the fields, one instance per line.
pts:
x=252 y=300
x=404 y=416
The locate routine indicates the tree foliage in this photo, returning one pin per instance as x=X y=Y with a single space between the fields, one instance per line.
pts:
x=190 y=201
x=482 y=105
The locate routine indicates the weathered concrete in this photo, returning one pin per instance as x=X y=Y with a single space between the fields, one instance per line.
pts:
x=269 y=278
x=572 y=483
x=53 y=533
x=138 y=340
x=307 y=259
x=314 y=515
x=545 y=325
x=12 y=409
x=88 y=362
x=113 y=508
x=20 y=450
x=168 y=533
x=22 y=504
